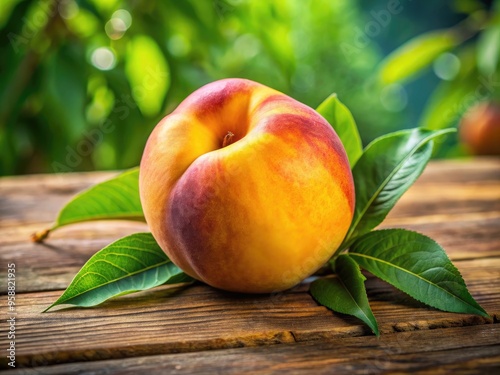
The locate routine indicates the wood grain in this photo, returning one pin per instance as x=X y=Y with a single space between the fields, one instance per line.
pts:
x=456 y=203
x=425 y=351
x=169 y=320
x=468 y=233
x=69 y=250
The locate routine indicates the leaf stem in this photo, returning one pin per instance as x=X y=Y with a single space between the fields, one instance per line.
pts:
x=335 y=255
x=41 y=235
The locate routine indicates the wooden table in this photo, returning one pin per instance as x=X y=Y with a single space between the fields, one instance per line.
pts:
x=200 y=330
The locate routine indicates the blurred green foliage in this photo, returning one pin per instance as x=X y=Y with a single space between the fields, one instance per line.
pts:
x=464 y=56
x=83 y=83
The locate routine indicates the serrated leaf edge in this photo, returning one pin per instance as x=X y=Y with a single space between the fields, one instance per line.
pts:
x=77 y=277
x=362 y=279
x=395 y=170
x=480 y=309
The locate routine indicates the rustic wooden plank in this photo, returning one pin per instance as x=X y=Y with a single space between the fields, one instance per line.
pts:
x=481 y=169
x=53 y=264
x=38 y=198
x=71 y=247
x=462 y=237
x=86 y=231
x=202 y=318
x=167 y=320
x=476 y=349
x=465 y=234
x=395 y=311
x=461 y=186
x=449 y=199
x=470 y=361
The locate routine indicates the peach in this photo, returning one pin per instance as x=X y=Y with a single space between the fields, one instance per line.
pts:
x=245 y=188
x=479 y=129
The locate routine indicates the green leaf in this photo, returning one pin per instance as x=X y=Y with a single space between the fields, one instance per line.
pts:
x=345 y=294
x=387 y=168
x=488 y=49
x=64 y=99
x=148 y=73
x=6 y=8
x=128 y=265
x=339 y=116
x=418 y=266
x=488 y=43
x=117 y=198
x=416 y=54
x=449 y=101
x=114 y=199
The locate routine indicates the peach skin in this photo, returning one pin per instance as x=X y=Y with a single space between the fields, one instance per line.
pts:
x=245 y=188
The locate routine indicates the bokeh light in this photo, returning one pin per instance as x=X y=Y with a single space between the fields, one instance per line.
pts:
x=120 y=21
x=68 y=9
x=123 y=15
x=103 y=58
x=394 y=97
x=146 y=57
x=446 y=66
x=178 y=45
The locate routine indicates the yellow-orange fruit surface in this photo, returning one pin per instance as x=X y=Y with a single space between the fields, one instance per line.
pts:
x=245 y=188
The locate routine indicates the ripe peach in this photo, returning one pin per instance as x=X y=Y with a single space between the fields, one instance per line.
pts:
x=245 y=188
x=479 y=129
